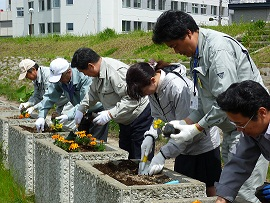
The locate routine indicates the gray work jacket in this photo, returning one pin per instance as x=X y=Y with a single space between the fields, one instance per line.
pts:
x=110 y=89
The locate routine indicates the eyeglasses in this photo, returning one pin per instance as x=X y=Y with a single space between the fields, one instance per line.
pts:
x=242 y=127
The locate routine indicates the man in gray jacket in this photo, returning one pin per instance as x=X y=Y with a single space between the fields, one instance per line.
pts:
x=247 y=105
x=109 y=87
x=217 y=61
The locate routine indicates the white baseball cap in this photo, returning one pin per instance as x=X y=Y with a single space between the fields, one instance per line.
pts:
x=24 y=66
x=57 y=67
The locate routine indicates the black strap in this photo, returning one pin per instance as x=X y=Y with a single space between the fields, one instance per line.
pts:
x=243 y=50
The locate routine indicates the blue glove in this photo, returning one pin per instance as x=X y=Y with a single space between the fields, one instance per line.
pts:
x=263 y=193
x=266 y=191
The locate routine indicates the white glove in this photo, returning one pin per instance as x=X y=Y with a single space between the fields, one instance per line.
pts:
x=24 y=105
x=187 y=132
x=156 y=164
x=78 y=117
x=62 y=118
x=40 y=124
x=30 y=109
x=102 y=118
x=147 y=146
x=152 y=131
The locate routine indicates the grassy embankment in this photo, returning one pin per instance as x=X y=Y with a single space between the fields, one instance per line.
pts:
x=126 y=47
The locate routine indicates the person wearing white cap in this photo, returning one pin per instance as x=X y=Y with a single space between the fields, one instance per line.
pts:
x=39 y=75
x=74 y=86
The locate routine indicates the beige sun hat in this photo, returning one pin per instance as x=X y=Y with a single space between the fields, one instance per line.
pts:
x=24 y=66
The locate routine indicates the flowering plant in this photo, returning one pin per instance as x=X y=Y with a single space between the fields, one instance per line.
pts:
x=56 y=126
x=81 y=141
x=158 y=124
x=24 y=114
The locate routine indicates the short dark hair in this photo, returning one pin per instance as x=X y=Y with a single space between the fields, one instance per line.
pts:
x=82 y=57
x=173 y=25
x=245 y=98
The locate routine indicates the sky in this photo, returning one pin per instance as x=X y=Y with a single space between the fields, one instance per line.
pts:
x=3 y=4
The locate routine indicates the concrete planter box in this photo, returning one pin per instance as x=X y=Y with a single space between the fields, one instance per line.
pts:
x=5 y=122
x=91 y=185
x=54 y=170
x=21 y=151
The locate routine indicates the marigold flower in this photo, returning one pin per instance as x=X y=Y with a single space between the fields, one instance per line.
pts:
x=61 y=138
x=21 y=116
x=93 y=139
x=73 y=146
x=55 y=136
x=93 y=143
x=89 y=135
x=196 y=201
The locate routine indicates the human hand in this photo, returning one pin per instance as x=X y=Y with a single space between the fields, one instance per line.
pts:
x=40 y=122
x=147 y=146
x=187 y=132
x=78 y=117
x=102 y=118
x=24 y=105
x=30 y=110
x=221 y=200
x=263 y=193
x=156 y=164
x=62 y=118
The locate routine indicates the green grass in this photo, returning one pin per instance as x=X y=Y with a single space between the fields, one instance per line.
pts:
x=10 y=192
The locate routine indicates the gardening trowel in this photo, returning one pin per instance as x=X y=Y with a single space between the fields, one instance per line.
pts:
x=168 y=129
x=72 y=135
x=143 y=166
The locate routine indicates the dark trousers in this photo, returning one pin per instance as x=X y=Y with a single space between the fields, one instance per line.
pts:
x=98 y=131
x=131 y=136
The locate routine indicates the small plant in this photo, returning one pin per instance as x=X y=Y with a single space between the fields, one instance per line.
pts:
x=24 y=114
x=158 y=124
x=81 y=141
x=56 y=126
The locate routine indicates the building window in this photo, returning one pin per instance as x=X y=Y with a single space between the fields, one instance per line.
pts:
x=31 y=29
x=125 y=3
x=195 y=8
x=137 y=25
x=125 y=25
x=213 y=10
x=184 y=6
x=49 y=27
x=56 y=27
x=203 y=9
x=151 y=4
x=6 y=24
x=42 y=28
x=137 y=3
x=69 y=26
x=41 y=5
x=161 y=4
x=56 y=3
x=30 y=4
x=20 y=12
x=49 y=4
x=174 y=5
x=223 y=11
x=150 y=26
x=69 y=2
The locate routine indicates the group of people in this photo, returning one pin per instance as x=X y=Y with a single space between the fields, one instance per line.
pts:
x=225 y=92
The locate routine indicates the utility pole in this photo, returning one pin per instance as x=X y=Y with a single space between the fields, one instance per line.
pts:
x=220 y=12
x=31 y=10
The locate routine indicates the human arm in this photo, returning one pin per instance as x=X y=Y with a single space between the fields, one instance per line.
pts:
x=221 y=200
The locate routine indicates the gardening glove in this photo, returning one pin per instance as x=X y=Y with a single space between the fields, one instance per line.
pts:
x=62 y=118
x=30 y=109
x=102 y=118
x=40 y=122
x=263 y=193
x=78 y=117
x=24 y=105
x=156 y=164
x=147 y=144
x=187 y=132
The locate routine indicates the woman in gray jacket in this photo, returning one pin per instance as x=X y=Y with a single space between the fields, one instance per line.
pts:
x=170 y=97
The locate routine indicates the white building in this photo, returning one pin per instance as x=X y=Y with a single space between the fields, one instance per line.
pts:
x=84 y=17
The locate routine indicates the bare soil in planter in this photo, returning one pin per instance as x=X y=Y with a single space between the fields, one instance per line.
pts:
x=34 y=129
x=18 y=117
x=126 y=172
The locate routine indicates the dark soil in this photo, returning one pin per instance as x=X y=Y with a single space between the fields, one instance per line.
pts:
x=34 y=129
x=126 y=172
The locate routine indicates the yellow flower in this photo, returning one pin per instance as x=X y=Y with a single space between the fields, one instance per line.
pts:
x=56 y=136
x=93 y=143
x=196 y=201
x=73 y=146
x=93 y=139
x=61 y=138
x=158 y=123
x=89 y=135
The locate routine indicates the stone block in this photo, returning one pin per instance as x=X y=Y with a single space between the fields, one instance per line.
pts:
x=91 y=185
x=54 y=170
x=21 y=150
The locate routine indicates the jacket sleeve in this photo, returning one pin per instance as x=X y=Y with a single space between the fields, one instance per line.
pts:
x=50 y=97
x=238 y=169
x=36 y=97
